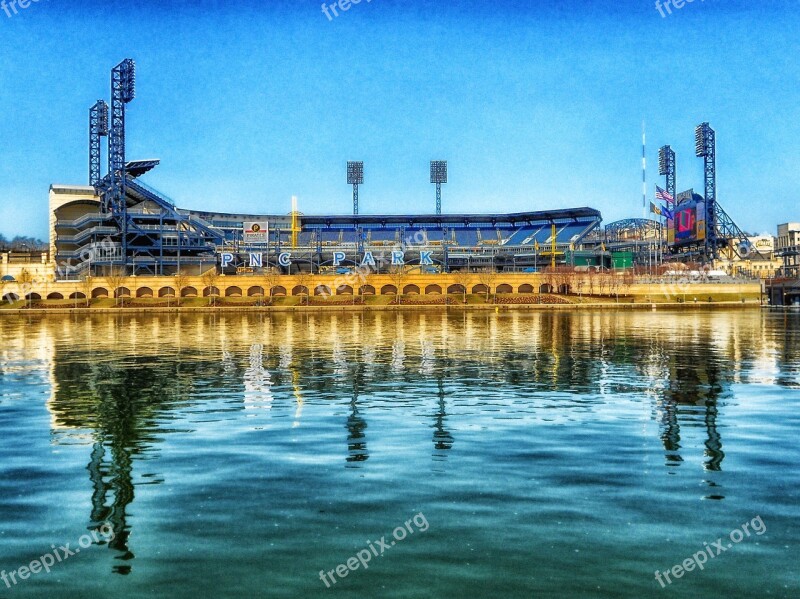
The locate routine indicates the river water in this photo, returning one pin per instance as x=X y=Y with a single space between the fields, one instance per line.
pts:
x=520 y=454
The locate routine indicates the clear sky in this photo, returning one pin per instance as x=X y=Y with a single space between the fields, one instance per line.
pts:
x=535 y=105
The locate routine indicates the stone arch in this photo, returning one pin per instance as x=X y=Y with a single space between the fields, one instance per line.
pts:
x=33 y=296
x=367 y=290
x=233 y=291
x=11 y=297
x=411 y=290
x=255 y=291
x=279 y=290
x=504 y=288
x=55 y=296
x=433 y=290
x=189 y=292
x=322 y=290
x=300 y=290
x=77 y=295
x=344 y=290
x=480 y=288
x=545 y=288
x=166 y=292
x=564 y=289
x=99 y=292
x=209 y=291
x=526 y=288
x=457 y=288
x=122 y=292
x=144 y=292
x=388 y=290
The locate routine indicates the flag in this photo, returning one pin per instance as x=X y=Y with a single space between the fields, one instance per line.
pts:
x=667 y=213
x=602 y=247
x=535 y=245
x=655 y=209
x=662 y=194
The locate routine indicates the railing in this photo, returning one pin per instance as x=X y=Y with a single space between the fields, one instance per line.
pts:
x=83 y=220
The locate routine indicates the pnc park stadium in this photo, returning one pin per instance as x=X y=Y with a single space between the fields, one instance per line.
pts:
x=117 y=223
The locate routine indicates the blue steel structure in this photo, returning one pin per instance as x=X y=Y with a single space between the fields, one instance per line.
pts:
x=355 y=177
x=705 y=147
x=666 y=168
x=438 y=176
x=137 y=229
x=98 y=128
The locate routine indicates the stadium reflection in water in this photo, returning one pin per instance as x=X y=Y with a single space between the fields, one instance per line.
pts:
x=142 y=396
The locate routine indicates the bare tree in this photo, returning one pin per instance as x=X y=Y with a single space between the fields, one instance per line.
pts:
x=181 y=281
x=210 y=278
x=591 y=279
x=270 y=276
x=25 y=283
x=550 y=278
x=628 y=280
x=487 y=278
x=305 y=279
x=366 y=276
x=115 y=279
x=397 y=274
x=580 y=284
x=602 y=282
x=562 y=278
x=462 y=278
x=87 y=283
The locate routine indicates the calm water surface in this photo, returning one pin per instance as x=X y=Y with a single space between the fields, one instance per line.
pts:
x=544 y=454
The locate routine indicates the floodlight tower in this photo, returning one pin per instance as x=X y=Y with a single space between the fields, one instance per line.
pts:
x=705 y=147
x=98 y=127
x=123 y=90
x=355 y=177
x=666 y=167
x=438 y=176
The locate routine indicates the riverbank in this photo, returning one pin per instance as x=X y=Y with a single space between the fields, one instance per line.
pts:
x=312 y=309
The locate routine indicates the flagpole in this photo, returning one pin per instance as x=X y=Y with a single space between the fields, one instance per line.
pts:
x=644 y=172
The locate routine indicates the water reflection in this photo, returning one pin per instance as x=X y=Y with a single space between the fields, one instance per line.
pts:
x=120 y=385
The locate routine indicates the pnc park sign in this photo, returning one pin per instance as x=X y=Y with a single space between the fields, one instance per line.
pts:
x=256 y=259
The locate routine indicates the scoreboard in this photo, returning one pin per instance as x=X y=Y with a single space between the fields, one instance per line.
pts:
x=689 y=222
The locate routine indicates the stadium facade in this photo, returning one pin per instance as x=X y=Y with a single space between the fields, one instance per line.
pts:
x=161 y=239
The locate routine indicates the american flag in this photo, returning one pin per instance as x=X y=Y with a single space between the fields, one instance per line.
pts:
x=661 y=194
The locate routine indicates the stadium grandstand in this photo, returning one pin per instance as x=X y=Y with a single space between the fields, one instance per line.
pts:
x=162 y=239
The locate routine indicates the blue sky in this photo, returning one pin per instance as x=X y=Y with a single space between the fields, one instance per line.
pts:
x=534 y=105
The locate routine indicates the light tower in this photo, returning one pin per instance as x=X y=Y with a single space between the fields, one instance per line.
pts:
x=705 y=147
x=666 y=168
x=438 y=176
x=355 y=177
x=123 y=90
x=123 y=84
x=98 y=127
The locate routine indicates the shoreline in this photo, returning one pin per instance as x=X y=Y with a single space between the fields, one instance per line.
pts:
x=705 y=306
